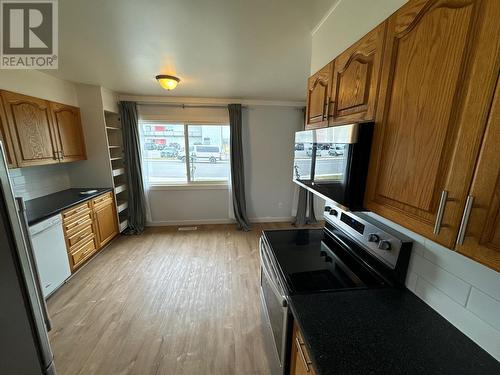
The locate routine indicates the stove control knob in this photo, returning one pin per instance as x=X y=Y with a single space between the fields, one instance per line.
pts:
x=372 y=237
x=334 y=212
x=384 y=245
x=327 y=208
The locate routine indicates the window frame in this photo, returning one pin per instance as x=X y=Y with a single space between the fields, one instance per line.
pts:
x=189 y=184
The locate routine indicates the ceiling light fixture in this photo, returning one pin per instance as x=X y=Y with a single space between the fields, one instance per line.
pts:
x=167 y=82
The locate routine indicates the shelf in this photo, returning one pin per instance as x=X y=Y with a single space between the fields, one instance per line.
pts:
x=118 y=172
x=113 y=128
x=122 y=206
x=114 y=146
x=116 y=158
x=120 y=188
x=123 y=225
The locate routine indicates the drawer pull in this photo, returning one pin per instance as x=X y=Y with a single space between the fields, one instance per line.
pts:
x=302 y=355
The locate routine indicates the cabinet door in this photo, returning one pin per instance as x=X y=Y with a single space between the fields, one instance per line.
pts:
x=300 y=361
x=356 y=77
x=69 y=132
x=6 y=139
x=481 y=229
x=438 y=78
x=318 y=100
x=105 y=222
x=30 y=126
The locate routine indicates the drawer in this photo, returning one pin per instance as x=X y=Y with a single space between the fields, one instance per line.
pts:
x=78 y=224
x=81 y=235
x=102 y=198
x=83 y=252
x=75 y=212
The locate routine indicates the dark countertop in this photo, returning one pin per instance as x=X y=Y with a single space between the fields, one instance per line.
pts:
x=44 y=207
x=384 y=331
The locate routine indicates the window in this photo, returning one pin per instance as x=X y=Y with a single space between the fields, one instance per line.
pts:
x=166 y=161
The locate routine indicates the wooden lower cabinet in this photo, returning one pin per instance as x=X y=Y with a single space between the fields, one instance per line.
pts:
x=105 y=219
x=88 y=227
x=300 y=361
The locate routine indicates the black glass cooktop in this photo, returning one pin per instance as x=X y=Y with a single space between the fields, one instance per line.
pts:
x=312 y=260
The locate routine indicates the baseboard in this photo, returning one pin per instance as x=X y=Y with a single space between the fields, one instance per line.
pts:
x=188 y=222
x=286 y=219
x=218 y=221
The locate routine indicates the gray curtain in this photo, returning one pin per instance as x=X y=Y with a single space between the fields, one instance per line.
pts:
x=132 y=156
x=305 y=215
x=237 y=170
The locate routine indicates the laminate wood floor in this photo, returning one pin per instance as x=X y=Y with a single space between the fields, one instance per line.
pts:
x=166 y=302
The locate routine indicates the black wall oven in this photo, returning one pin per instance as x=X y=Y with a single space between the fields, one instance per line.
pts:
x=333 y=162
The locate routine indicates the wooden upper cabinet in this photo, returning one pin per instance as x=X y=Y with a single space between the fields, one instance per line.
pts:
x=68 y=128
x=30 y=126
x=481 y=224
x=318 y=97
x=356 y=77
x=6 y=139
x=439 y=71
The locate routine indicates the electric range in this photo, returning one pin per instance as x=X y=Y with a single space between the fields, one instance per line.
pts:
x=352 y=252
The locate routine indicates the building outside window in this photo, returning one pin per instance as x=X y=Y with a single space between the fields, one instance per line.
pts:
x=185 y=153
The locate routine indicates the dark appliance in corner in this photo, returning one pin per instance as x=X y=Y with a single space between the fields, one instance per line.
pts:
x=352 y=252
x=333 y=162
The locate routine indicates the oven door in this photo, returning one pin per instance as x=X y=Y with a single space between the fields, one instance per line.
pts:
x=275 y=312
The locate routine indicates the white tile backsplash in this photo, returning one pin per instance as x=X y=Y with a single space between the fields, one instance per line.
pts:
x=470 y=324
x=463 y=291
x=34 y=182
x=484 y=306
x=446 y=282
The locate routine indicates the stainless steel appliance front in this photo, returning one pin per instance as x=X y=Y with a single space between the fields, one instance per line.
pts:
x=275 y=311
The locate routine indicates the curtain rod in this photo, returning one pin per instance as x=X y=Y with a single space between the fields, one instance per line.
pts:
x=186 y=105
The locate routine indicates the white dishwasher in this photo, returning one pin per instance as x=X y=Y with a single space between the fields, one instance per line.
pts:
x=49 y=248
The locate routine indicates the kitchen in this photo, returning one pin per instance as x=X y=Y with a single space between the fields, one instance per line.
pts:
x=371 y=246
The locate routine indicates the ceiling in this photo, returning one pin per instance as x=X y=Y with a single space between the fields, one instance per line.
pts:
x=257 y=49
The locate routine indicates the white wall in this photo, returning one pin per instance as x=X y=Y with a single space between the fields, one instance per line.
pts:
x=463 y=291
x=96 y=170
x=348 y=22
x=268 y=136
x=40 y=85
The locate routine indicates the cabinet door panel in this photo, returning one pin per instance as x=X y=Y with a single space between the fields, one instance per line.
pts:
x=437 y=83
x=30 y=126
x=356 y=78
x=69 y=132
x=482 y=231
x=6 y=139
x=318 y=97
x=106 y=223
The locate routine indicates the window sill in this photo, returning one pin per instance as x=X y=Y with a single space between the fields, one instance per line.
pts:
x=200 y=186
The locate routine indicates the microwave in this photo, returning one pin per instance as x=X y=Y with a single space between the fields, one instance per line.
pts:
x=333 y=162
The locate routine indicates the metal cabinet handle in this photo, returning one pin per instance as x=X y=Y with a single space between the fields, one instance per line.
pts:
x=302 y=355
x=465 y=219
x=327 y=111
x=440 y=212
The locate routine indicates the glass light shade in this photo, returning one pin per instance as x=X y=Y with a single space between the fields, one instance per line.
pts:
x=167 y=82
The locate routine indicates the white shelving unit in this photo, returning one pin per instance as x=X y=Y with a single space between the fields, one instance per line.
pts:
x=118 y=167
